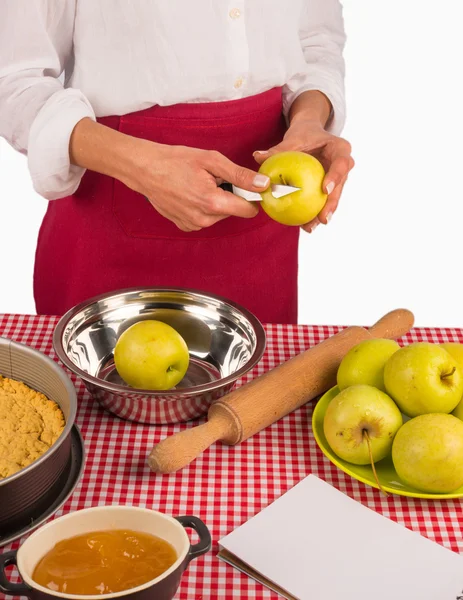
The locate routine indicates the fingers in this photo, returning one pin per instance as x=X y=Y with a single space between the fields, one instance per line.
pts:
x=339 y=168
x=328 y=210
x=215 y=207
x=182 y=223
x=332 y=203
x=341 y=164
x=192 y=200
x=227 y=204
x=311 y=226
x=223 y=168
x=261 y=155
x=335 y=155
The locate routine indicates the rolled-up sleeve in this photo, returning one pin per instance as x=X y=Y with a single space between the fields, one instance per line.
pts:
x=323 y=39
x=37 y=114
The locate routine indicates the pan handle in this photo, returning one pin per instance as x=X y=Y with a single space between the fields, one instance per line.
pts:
x=15 y=589
x=204 y=544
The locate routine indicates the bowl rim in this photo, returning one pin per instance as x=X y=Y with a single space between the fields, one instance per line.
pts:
x=70 y=421
x=261 y=341
x=82 y=514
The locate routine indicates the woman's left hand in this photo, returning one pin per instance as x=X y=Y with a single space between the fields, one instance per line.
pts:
x=333 y=152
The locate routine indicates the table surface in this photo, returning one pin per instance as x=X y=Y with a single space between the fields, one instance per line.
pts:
x=226 y=485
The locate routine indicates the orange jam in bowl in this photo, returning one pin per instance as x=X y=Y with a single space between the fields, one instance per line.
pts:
x=104 y=562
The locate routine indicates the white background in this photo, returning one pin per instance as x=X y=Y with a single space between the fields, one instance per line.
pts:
x=396 y=238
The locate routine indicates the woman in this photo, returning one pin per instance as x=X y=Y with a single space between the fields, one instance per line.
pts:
x=161 y=102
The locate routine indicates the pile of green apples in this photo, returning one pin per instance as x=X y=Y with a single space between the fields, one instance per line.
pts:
x=405 y=403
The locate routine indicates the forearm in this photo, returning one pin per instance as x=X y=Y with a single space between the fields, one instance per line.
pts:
x=311 y=106
x=104 y=150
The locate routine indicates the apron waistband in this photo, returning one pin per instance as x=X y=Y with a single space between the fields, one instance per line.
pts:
x=204 y=111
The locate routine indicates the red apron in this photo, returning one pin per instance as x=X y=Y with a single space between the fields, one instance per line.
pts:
x=107 y=237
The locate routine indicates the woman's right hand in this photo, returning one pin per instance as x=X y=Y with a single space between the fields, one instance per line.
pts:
x=180 y=182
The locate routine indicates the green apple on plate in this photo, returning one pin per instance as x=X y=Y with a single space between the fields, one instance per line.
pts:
x=364 y=363
x=300 y=170
x=423 y=378
x=384 y=476
x=455 y=349
x=427 y=453
x=360 y=424
x=151 y=355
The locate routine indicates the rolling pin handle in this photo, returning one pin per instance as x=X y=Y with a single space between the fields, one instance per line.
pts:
x=177 y=451
x=393 y=325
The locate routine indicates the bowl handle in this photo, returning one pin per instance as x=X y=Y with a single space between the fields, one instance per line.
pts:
x=16 y=589
x=204 y=544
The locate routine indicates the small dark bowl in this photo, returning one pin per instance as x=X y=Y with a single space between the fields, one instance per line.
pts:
x=101 y=518
x=23 y=493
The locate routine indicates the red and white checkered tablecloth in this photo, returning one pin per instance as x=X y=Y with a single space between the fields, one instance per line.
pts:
x=226 y=485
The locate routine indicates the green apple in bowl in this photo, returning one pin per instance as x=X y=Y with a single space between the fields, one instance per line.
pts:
x=364 y=363
x=300 y=170
x=360 y=424
x=151 y=355
x=423 y=378
x=427 y=453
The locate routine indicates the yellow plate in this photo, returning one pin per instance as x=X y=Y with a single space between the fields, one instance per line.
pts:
x=384 y=468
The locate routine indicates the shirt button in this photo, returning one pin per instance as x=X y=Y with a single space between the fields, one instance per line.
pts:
x=235 y=13
x=239 y=82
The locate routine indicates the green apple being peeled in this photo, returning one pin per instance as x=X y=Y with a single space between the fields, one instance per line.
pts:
x=151 y=355
x=358 y=417
x=364 y=363
x=300 y=170
x=428 y=453
x=423 y=378
x=456 y=350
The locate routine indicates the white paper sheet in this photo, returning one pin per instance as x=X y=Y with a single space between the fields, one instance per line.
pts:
x=316 y=543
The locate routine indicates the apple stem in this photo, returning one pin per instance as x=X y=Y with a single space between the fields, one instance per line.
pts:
x=367 y=437
x=448 y=374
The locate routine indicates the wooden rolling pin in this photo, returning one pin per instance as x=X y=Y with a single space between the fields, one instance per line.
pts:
x=266 y=399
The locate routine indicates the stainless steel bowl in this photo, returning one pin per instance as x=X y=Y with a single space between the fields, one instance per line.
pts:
x=25 y=492
x=225 y=341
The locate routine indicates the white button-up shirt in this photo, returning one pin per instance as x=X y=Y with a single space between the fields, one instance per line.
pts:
x=63 y=60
